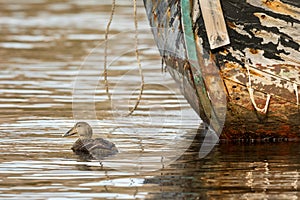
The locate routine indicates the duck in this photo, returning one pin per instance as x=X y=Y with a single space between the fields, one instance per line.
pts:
x=85 y=145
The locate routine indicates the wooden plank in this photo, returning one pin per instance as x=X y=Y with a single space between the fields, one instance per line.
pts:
x=194 y=65
x=214 y=23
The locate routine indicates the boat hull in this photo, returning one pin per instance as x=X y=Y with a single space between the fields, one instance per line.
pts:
x=248 y=89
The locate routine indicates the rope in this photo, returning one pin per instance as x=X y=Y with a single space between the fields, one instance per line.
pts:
x=251 y=93
x=297 y=94
x=137 y=58
x=113 y=6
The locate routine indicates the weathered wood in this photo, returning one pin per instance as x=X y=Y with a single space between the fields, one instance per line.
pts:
x=259 y=69
x=267 y=79
x=214 y=23
x=243 y=121
x=197 y=67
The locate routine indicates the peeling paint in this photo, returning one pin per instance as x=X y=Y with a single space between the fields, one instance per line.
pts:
x=277 y=6
x=260 y=69
x=266 y=36
x=282 y=25
x=239 y=29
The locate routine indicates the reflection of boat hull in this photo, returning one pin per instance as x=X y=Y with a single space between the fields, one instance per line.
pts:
x=247 y=89
x=261 y=171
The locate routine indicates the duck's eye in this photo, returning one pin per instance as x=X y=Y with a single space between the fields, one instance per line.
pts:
x=78 y=125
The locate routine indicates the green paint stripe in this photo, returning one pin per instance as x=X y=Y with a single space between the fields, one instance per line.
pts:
x=190 y=44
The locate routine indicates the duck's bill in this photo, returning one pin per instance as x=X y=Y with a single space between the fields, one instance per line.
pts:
x=72 y=131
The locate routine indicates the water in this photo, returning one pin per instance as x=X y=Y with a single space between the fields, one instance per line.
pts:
x=52 y=76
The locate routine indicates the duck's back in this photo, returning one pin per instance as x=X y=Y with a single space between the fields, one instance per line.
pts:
x=97 y=148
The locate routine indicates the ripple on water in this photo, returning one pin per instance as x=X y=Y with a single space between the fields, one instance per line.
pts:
x=45 y=45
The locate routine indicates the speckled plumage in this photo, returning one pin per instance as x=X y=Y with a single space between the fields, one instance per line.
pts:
x=97 y=147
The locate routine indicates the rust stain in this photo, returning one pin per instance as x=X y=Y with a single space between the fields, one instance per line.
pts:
x=285 y=130
x=224 y=52
x=253 y=51
x=169 y=13
x=280 y=7
x=154 y=15
x=231 y=25
x=256 y=73
x=279 y=79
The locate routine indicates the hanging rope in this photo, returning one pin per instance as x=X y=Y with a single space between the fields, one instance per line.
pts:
x=296 y=92
x=113 y=6
x=137 y=58
x=251 y=93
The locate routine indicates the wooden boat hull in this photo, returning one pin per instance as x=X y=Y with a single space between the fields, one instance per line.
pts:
x=248 y=89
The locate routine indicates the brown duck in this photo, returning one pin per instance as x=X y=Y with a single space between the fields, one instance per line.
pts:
x=97 y=148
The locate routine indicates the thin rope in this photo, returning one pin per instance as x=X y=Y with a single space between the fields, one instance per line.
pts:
x=251 y=93
x=138 y=59
x=113 y=6
x=297 y=94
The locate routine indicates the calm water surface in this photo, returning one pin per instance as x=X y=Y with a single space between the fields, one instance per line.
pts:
x=51 y=62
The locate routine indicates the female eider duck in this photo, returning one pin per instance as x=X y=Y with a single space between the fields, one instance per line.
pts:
x=85 y=145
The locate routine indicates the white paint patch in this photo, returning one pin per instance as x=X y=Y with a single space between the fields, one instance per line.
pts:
x=281 y=8
x=240 y=30
x=266 y=36
x=287 y=28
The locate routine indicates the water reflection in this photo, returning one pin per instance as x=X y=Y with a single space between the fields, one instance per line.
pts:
x=233 y=171
x=43 y=45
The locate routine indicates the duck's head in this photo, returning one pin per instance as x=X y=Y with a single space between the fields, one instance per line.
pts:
x=83 y=129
